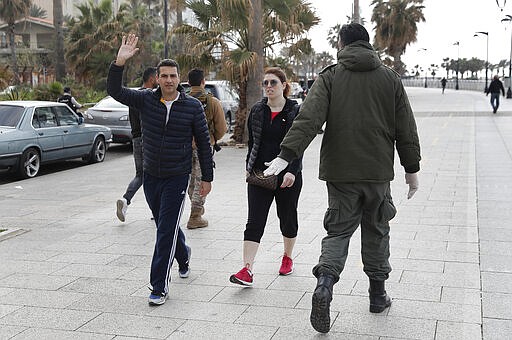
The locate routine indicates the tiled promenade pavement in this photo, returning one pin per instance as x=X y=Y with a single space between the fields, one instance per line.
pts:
x=81 y=274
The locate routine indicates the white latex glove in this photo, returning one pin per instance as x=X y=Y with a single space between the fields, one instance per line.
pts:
x=275 y=166
x=288 y=180
x=412 y=180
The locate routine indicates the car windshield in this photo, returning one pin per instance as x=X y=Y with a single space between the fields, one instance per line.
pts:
x=10 y=115
x=110 y=103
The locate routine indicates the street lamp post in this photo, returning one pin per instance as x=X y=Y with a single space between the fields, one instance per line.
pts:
x=509 y=91
x=457 y=70
x=486 y=59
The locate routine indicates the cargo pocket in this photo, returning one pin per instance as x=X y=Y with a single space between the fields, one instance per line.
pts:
x=330 y=218
x=387 y=210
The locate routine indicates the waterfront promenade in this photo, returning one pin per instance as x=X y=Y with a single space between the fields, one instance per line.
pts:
x=79 y=273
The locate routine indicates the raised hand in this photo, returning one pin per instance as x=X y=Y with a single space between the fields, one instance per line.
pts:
x=127 y=49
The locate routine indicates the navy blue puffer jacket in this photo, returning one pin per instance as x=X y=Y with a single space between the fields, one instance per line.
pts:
x=167 y=146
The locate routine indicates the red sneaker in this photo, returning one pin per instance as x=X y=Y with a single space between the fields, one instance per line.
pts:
x=286 y=266
x=243 y=277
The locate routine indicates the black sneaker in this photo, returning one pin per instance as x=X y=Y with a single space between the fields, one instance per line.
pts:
x=185 y=271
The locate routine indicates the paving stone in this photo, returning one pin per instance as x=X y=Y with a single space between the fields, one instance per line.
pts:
x=186 y=292
x=93 y=270
x=48 y=318
x=84 y=258
x=258 y=297
x=452 y=256
x=132 y=325
x=8 y=332
x=461 y=296
x=440 y=279
x=196 y=310
x=51 y=334
x=105 y=302
x=275 y=316
x=92 y=285
x=7 y=309
x=496 y=329
x=390 y=326
x=495 y=248
x=418 y=265
x=194 y=329
x=36 y=281
x=496 y=305
x=496 y=263
x=287 y=333
x=497 y=282
x=457 y=331
x=41 y=298
x=436 y=311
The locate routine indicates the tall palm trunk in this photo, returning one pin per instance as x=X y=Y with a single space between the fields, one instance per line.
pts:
x=254 y=76
x=58 y=18
x=357 y=17
x=14 y=58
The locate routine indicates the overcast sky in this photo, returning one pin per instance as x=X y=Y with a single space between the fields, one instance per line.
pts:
x=447 y=21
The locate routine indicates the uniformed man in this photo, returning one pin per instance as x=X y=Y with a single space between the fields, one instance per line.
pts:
x=367 y=113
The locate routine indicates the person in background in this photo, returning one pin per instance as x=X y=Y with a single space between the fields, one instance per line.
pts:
x=170 y=120
x=70 y=101
x=367 y=114
x=494 y=89
x=148 y=82
x=443 y=83
x=217 y=128
x=268 y=121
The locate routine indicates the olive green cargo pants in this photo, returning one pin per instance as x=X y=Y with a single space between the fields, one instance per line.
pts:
x=350 y=205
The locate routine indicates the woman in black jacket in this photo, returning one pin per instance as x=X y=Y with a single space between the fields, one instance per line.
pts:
x=268 y=122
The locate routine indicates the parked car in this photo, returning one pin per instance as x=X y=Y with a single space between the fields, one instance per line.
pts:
x=109 y=112
x=296 y=90
x=227 y=96
x=33 y=133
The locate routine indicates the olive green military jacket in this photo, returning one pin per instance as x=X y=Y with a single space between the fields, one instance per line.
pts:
x=367 y=114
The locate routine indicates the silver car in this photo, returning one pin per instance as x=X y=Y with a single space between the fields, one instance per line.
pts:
x=227 y=96
x=33 y=133
x=109 y=112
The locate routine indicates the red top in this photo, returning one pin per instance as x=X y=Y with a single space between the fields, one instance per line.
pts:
x=273 y=115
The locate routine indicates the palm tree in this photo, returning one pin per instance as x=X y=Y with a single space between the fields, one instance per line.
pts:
x=224 y=34
x=37 y=12
x=395 y=27
x=91 y=40
x=58 y=19
x=10 y=11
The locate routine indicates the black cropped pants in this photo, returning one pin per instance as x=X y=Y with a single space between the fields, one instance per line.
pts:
x=260 y=199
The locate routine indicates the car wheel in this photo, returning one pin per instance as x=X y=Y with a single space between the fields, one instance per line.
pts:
x=29 y=163
x=99 y=149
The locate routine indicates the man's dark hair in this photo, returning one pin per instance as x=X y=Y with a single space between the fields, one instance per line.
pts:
x=67 y=89
x=195 y=76
x=353 y=32
x=168 y=62
x=148 y=73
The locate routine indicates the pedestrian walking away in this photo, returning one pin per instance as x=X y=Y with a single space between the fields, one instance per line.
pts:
x=148 y=82
x=217 y=128
x=367 y=113
x=268 y=122
x=494 y=89
x=443 y=83
x=170 y=119
x=70 y=101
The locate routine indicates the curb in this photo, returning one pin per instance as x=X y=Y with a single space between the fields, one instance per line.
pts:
x=4 y=235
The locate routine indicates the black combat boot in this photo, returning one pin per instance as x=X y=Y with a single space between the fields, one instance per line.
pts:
x=320 y=315
x=379 y=300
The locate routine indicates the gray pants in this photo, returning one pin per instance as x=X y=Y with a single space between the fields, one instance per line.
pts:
x=351 y=204
x=136 y=182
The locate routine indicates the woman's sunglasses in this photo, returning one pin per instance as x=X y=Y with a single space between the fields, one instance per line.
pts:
x=272 y=83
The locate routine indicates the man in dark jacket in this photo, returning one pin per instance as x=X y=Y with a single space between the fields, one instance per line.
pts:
x=170 y=119
x=494 y=89
x=367 y=113
x=148 y=82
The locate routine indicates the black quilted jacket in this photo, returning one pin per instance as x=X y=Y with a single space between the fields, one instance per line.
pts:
x=167 y=147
